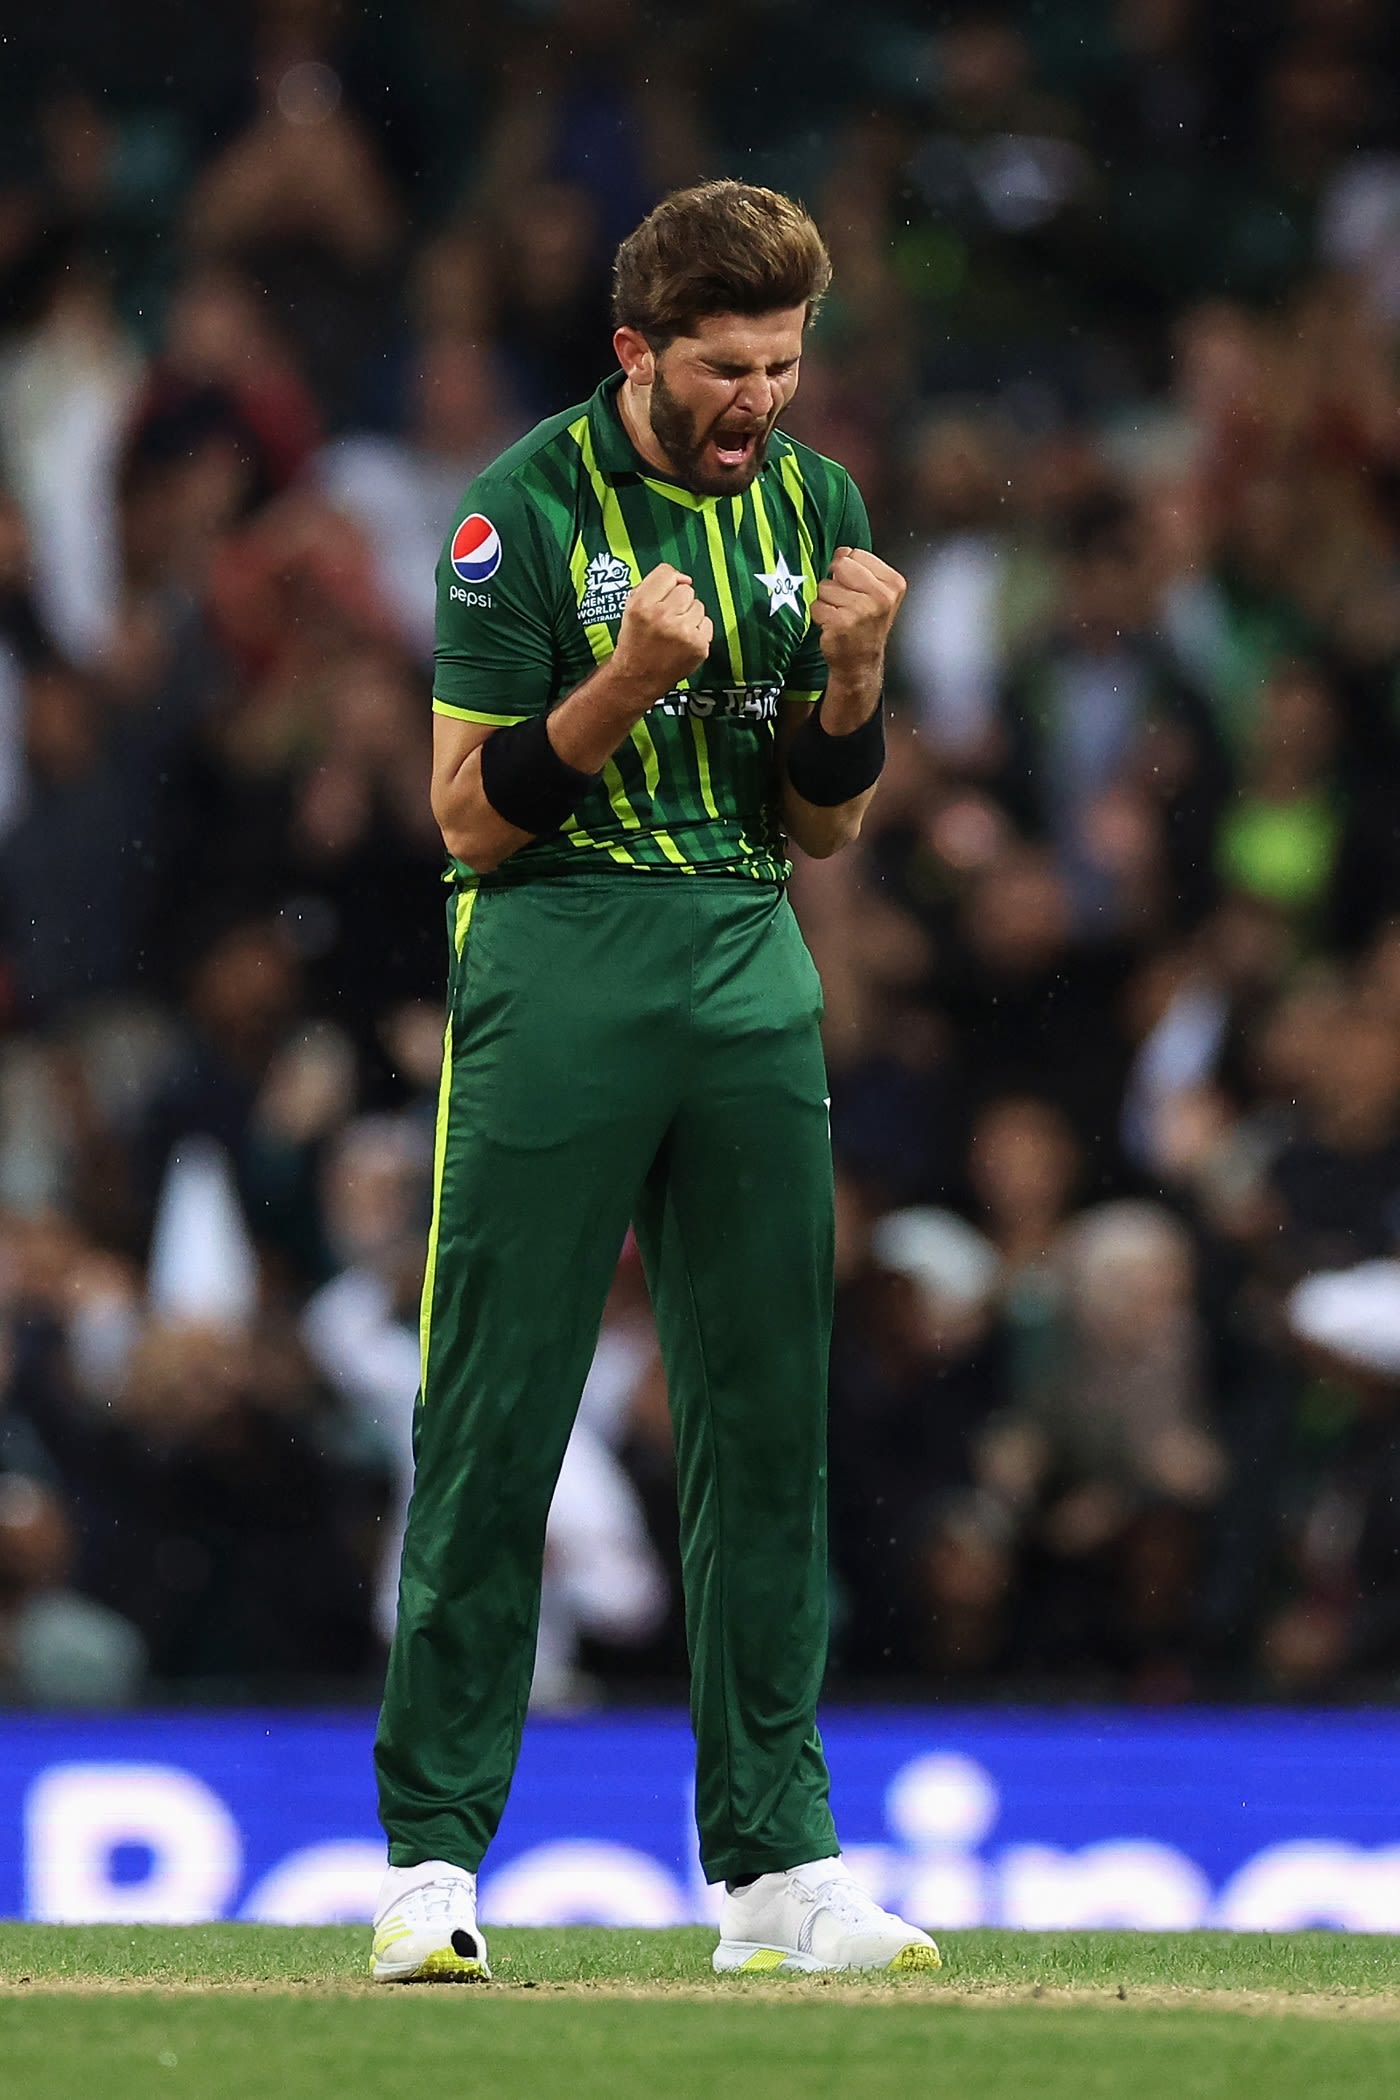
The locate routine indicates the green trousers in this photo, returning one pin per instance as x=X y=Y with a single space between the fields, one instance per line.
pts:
x=623 y=1048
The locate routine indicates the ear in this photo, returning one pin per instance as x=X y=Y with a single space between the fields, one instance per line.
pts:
x=635 y=355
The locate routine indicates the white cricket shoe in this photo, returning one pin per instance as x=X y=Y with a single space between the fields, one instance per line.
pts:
x=425 y=1928
x=815 y=1917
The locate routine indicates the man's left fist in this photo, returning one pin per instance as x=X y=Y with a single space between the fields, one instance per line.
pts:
x=855 y=607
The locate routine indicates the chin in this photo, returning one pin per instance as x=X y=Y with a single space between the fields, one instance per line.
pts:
x=726 y=481
x=722 y=483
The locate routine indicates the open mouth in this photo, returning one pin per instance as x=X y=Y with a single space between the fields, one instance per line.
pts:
x=735 y=448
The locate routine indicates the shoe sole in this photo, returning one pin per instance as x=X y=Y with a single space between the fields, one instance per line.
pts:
x=442 y=1967
x=751 y=1958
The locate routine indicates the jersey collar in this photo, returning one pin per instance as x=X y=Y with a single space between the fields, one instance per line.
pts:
x=612 y=448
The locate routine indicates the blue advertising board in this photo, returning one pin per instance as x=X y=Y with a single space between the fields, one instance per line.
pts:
x=1264 y=1821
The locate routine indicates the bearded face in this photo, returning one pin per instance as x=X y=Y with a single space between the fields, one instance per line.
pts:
x=717 y=455
x=712 y=398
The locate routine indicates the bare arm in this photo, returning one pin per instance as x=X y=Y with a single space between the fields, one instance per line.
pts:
x=665 y=634
x=855 y=609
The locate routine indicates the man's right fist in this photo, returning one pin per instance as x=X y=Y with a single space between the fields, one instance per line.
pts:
x=665 y=632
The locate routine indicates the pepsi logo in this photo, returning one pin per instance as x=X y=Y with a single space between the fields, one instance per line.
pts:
x=475 y=552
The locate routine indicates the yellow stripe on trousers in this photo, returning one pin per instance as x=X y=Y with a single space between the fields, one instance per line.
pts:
x=466 y=905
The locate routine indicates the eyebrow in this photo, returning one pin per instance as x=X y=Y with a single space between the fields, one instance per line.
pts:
x=729 y=370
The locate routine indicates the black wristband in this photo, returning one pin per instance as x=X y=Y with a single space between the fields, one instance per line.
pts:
x=826 y=769
x=526 y=781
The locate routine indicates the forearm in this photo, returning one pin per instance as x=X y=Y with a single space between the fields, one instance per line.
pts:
x=598 y=715
x=820 y=830
x=585 y=730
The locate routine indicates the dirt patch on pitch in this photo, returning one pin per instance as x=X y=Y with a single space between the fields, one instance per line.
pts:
x=1317 y=2005
x=928 y=1991
x=180 y=1987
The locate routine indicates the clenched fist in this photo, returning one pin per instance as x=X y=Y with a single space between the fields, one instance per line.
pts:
x=855 y=607
x=665 y=632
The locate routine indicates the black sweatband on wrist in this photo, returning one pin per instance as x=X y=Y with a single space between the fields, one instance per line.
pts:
x=826 y=769
x=526 y=781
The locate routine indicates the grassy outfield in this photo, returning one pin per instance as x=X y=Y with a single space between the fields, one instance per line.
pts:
x=242 y=2012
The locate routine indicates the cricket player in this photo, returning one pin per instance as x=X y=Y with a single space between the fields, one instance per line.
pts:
x=660 y=646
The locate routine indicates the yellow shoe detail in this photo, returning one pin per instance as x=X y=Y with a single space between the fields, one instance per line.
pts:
x=390 y=1937
x=447 y=1967
x=915 y=1960
x=763 y=1962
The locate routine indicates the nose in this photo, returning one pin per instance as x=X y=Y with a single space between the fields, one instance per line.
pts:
x=756 y=396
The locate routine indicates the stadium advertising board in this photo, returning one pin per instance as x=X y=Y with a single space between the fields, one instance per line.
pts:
x=1250 y=1821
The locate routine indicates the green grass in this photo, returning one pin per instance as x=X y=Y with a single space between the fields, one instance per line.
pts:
x=335 y=1957
x=233 y=2012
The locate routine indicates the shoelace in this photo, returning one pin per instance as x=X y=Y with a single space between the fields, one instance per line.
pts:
x=846 y=1900
x=434 y=1899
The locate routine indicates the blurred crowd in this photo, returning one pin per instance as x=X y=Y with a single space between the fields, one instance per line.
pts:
x=1113 y=979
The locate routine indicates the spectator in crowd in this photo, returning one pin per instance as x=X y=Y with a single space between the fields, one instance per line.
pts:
x=219 y=1513
x=243 y=1073
x=916 y=1373
x=189 y=1474
x=601 y=104
x=301 y=198
x=1100 y=726
x=970 y=591
x=1336 y=1178
x=1105 y=1461
x=68 y=385
x=361 y=1328
x=56 y=1648
x=1342 y=1617
x=552 y=310
x=402 y=492
x=1283 y=838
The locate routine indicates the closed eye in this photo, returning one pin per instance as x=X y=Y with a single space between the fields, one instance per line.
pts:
x=778 y=371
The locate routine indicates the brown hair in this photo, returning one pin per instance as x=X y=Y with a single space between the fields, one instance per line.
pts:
x=720 y=248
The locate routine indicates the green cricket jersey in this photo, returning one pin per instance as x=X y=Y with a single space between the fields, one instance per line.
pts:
x=532 y=583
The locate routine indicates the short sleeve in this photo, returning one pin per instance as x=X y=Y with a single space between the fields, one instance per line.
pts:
x=807 y=673
x=495 y=658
